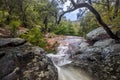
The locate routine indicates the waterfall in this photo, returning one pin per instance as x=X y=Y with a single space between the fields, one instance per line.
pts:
x=65 y=50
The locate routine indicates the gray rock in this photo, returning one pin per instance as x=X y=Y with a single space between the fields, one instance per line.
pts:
x=11 y=41
x=104 y=43
x=83 y=46
x=25 y=62
x=97 y=34
x=114 y=48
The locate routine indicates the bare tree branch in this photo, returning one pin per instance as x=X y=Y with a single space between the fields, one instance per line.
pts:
x=73 y=3
x=81 y=14
x=97 y=15
x=60 y=17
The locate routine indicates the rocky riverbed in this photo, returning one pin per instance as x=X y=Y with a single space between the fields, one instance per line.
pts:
x=95 y=58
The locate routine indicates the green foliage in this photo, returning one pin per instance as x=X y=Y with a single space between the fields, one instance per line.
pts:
x=14 y=24
x=35 y=37
x=107 y=14
x=61 y=29
x=116 y=21
x=3 y=16
x=66 y=28
x=29 y=13
x=87 y=23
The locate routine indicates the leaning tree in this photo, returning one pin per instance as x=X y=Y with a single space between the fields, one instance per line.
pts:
x=77 y=4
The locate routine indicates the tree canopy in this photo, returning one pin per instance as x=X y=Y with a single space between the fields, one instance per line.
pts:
x=49 y=15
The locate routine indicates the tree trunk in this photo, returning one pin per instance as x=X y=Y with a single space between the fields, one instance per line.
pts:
x=99 y=19
x=117 y=3
x=23 y=14
x=45 y=22
x=97 y=15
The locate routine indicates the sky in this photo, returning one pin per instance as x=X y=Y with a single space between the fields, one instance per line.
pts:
x=72 y=15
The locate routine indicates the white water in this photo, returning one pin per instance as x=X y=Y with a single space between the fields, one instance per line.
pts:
x=66 y=49
x=70 y=73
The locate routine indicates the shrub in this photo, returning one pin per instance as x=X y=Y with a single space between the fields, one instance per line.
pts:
x=14 y=24
x=35 y=37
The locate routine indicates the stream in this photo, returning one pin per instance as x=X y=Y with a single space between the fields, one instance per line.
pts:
x=68 y=47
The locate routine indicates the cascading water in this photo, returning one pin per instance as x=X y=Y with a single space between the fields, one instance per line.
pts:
x=65 y=50
x=70 y=73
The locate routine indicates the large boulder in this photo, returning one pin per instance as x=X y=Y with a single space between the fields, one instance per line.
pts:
x=23 y=61
x=97 y=34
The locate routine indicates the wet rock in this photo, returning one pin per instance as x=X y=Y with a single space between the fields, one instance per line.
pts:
x=24 y=62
